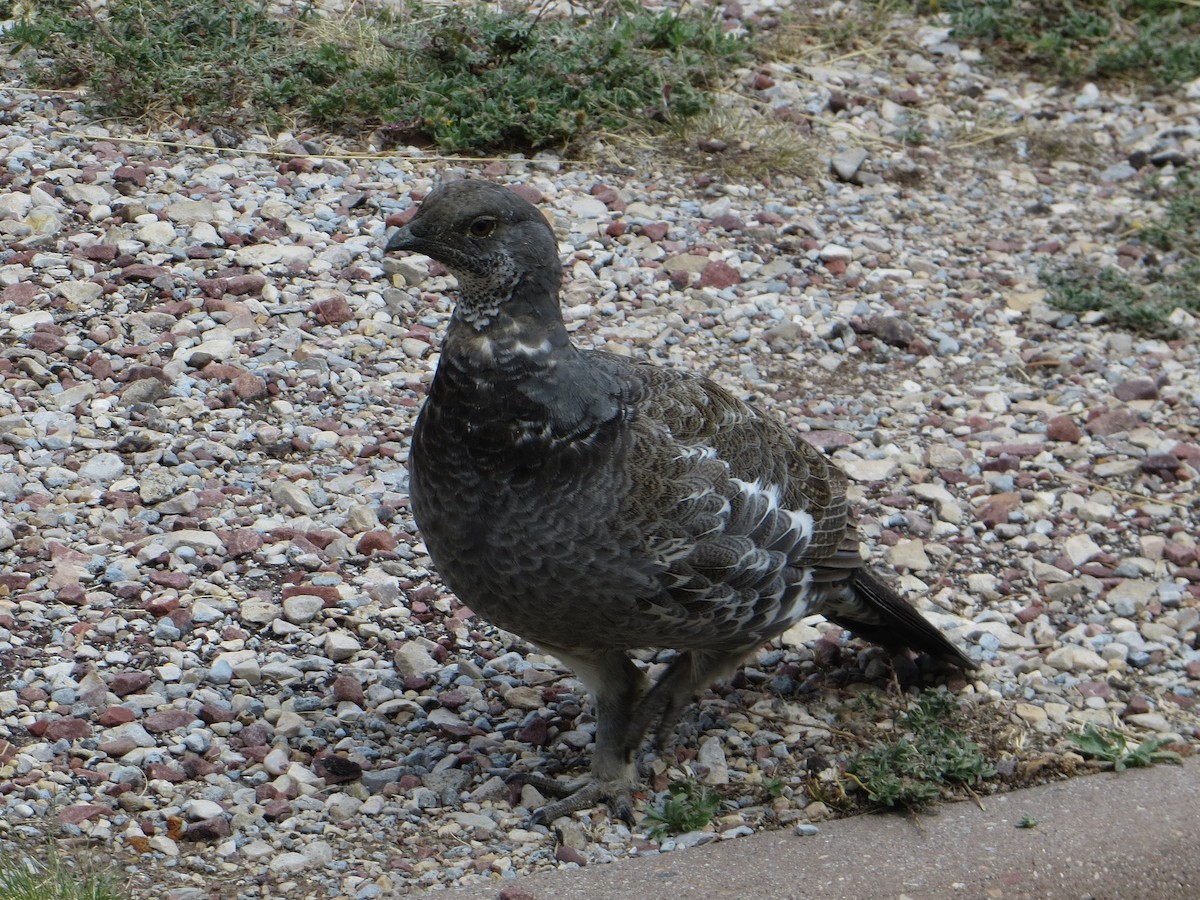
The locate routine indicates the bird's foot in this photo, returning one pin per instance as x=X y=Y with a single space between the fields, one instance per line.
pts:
x=578 y=794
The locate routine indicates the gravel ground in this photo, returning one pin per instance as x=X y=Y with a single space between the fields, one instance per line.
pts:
x=224 y=660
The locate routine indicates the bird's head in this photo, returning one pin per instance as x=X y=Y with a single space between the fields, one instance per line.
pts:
x=495 y=243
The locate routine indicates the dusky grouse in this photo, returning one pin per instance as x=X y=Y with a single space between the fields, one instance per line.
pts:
x=594 y=505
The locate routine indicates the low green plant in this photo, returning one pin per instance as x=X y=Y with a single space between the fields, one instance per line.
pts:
x=1072 y=40
x=22 y=877
x=467 y=77
x=1114 y=749
x=1027 y=821
x=1143 y=298
x=773 y=786
x=1180 y=228
x=928 y=754
x=687 y=806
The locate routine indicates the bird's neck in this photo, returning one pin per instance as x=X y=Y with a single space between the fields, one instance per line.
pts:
x=521 y=332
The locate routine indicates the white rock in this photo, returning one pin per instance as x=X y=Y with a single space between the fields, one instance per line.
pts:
x=836 y=251
x=198 y=808
x=300 y=609
x=341 y=807
x=80 y=293
x=204 y=541
x=909 y=554
x=711 y=755
x=1072 y=658
x=257 y=255
x=340 y=645
x=288 y=862
x=867 y=469
x=413 y=659
x=259 y=612
x=1080 y=548
x=157 y=234
x=25 y=322
x=995 y=402
x=103 y=468
x=293 y=498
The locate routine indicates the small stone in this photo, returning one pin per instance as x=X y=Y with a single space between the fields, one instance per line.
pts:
x=1080 y=549
x=909 y=555
x=1072 y=658
x=347 y=688
x=168 y=720
x=711 y=756
x=260 y=612
x=845 y=165
x=868 y=469
x=1136 y=389
x=1063 y=428
x=893 y=330
x=334 y=311
x=413 y=659
x=300 y=609
x=197 y=808
x=339 y=645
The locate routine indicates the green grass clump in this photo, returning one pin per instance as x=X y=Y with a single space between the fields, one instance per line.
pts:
x=468 y=78
x=1144 y=299
x=928 y=755
x=1072 y=40
x=24 y=878
x=688 y=806
x=1112 y=748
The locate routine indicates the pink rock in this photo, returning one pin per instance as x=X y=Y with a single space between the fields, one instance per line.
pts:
x=376 y=542
x=334 y=311
x=47 y=343
x=241 y=541
x=1111 y=421
x=249 y=386
x=346 y=688
x=142 y=272
x=168 y=720
x=566 y=854
x=208 y=829
x=177 y=580
x=20 y=294
x=1179 y=554
x=527 y=192
x=215 y=712
x=132 y=174
x=245 y=284
x=655 y=231
x=719 y=274
x=125 y=683
x=1063 y=428
x=326 y=592
x=68 y=728
x=1136 y=389
x=995 y=510
x=115 y=715
x=73 y=815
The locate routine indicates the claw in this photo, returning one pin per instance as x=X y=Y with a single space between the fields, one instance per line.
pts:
x=579 y=794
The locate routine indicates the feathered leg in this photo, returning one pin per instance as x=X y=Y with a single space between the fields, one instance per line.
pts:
x=688 y=673
x=617 y=686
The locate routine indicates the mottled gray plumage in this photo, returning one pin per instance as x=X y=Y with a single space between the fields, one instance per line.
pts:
x=594 y=505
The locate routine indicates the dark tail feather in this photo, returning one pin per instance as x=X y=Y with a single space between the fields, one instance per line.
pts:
x=880 y=615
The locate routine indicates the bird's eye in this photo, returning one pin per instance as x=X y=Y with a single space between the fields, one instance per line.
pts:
x=482 y=227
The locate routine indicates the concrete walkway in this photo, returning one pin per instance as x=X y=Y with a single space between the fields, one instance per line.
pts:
x=1132 y=836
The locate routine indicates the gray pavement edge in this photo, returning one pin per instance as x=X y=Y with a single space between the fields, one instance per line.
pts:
x=1130 y=835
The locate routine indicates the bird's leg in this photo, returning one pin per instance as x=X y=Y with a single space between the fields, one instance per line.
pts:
x=674 y=691
x=617 y=686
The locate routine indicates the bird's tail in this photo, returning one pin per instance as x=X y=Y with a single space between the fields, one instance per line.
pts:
x=875 y=612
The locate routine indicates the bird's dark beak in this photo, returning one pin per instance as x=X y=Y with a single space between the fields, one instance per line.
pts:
x=402 y=239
